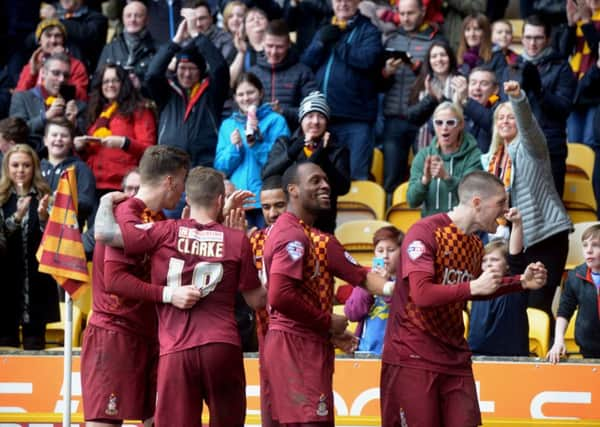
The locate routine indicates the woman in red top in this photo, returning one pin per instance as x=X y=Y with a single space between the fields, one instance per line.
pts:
x=122 y=125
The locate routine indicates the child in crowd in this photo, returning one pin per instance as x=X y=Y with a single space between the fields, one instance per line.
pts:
x=502 y=37
x=372 y=311
x=582 y=292
x=499 y=327
x=58 y=139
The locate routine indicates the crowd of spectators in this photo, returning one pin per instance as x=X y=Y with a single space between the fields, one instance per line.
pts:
x=251 y=87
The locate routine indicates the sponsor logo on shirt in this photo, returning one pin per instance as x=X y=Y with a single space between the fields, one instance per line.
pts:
x=295 y=250
x=201 y=235
x=350 y=258
x=415 y=249
x=453 y=276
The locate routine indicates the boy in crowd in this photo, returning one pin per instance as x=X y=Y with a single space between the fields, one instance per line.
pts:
x=58 y=140
x=582 y=290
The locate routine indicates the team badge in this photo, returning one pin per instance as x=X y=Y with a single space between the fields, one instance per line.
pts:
x=146 y=226
x=415 y=249
x=111 y=408
x=322 y=410
x=295 y=250
x=350 y=258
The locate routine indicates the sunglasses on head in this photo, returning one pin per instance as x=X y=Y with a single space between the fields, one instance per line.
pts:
x=451 y=123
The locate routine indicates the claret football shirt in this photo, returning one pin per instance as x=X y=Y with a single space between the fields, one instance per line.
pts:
x=311 y=258
x=431 y=335
x=216 y=259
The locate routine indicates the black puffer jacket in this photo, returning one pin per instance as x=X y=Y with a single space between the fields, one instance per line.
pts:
x=288 y=82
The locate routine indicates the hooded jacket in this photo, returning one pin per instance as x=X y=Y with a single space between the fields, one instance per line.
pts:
x=243 y=165
x=442 y=195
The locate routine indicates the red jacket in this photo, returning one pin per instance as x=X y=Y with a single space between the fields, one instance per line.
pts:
x=111 y=164
x=79 y=79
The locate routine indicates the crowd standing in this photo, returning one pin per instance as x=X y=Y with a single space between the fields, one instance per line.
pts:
x=284 y=101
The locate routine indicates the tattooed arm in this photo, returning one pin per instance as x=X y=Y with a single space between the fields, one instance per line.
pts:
x=106 y=229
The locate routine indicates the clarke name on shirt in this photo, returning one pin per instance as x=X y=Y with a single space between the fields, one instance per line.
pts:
x=204 y=243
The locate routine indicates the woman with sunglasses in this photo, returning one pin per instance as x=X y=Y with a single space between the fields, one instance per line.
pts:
x=438 y=168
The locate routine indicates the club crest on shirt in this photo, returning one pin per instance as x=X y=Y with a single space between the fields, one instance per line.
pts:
x=415 y=249
x=350 y=258
x=145 y=226
x=295 y=250
x=322 y=410
x=111 y=407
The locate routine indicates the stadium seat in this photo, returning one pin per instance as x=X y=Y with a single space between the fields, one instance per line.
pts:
x=55 y=332
x=539 y=332
x=357 y=238
x=582 y=215
x=575 y=255
x=365 y=200
x=580 y=161
x=579 y=194
x=517 y=29
x=400 y=214
x=570 y=344
x=377 y=166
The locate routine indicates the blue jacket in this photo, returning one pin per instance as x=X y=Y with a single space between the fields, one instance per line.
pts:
x=347 y=72
x=243 y=167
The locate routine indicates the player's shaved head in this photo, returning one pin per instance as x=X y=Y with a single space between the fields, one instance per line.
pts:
x=479 y=183
x=293 y=174
x=160 y=161
x=204 y=185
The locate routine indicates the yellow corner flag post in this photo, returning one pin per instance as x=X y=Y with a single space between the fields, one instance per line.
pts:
x=61 y=254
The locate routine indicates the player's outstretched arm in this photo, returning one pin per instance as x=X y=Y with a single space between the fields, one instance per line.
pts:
x=106 y=229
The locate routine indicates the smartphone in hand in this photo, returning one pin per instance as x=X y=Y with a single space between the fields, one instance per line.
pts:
x=378 y=263
x=67 y=91
x=398 y=54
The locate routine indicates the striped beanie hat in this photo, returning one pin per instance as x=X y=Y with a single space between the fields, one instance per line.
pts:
x=314 y=101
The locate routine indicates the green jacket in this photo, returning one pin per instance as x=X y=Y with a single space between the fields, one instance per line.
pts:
x=442 y=195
